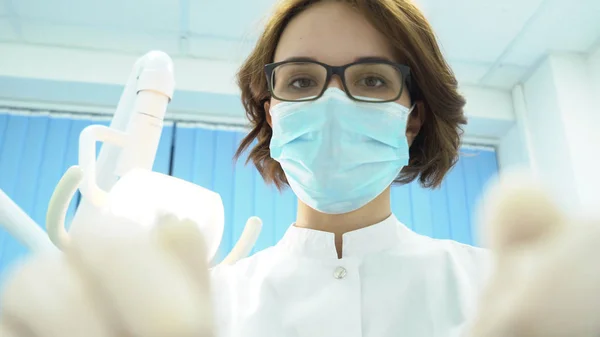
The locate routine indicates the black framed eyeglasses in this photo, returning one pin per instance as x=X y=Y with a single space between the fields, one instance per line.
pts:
x=368 y=80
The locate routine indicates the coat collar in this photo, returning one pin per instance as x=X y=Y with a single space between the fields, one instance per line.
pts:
x=371 y=239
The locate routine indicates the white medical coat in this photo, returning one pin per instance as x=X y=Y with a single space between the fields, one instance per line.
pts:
x=389 y=282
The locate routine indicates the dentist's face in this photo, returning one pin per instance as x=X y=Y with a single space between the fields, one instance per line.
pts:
x=336 y=34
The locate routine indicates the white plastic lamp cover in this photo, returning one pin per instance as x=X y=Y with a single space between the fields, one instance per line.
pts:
x=141 y=194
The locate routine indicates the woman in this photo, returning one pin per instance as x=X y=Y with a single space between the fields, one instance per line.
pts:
x=356 y=95
x=344 y=98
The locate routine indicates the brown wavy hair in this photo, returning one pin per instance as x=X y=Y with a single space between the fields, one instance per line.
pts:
x=434 y=150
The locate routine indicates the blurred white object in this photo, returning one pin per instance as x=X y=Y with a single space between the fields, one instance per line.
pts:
x=120 y=181
x=141 y=196
x=545 y=280
x=18 y=224
x=246 y=242
x=127 y=281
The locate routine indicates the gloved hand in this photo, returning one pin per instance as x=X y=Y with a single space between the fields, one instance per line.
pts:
x=116 y=279
x=547 y=275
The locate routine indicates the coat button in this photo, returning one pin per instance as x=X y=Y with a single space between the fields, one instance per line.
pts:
x=339 y=273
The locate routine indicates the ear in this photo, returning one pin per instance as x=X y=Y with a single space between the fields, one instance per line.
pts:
x=415 y=122
x=268 y=112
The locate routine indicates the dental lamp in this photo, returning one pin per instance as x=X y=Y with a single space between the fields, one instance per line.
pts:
x=120 y=180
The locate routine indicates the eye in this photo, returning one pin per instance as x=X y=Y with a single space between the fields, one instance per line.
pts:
x=372 y=82
x=301 y=83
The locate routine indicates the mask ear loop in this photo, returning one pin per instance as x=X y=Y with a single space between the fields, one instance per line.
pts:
x=410 y=110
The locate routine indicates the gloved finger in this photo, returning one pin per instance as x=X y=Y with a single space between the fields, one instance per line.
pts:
x=183 y=240
x=150 y=289
x=46 y=297
x=515 y=211
x=7 y=331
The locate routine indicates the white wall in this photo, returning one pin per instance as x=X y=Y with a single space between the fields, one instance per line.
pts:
x=515 y=147
x=558 y=128
x=511 y=150
x=581 y=120
x=91 y=66
x=594 y=70
x=548 y=137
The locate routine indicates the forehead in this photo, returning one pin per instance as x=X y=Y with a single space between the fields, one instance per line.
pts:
x=333 y=33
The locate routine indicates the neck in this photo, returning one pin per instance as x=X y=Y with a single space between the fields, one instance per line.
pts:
x=372 y=213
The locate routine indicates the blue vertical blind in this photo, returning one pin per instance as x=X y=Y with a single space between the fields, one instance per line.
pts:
x=447 y=212
x=36 y=150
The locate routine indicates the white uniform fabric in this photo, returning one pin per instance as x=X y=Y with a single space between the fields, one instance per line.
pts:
x=390 y=281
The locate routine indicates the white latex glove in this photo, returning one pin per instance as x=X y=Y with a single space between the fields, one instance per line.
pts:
x=117 y=279
x=547 y=277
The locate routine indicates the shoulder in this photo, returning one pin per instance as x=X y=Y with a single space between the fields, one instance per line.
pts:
x=258 y=263
x=472 y=260
x=463 y=253
x=422 y=245
x=451 y=257
x=238 y=284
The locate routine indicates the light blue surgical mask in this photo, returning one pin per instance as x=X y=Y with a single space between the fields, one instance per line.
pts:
x=339 y=154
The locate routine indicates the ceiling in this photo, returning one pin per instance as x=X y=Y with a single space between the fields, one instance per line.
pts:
x=489 y=43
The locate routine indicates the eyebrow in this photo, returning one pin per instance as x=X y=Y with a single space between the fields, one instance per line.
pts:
x=300 y=59
x=373 y=58
x=358 y=59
